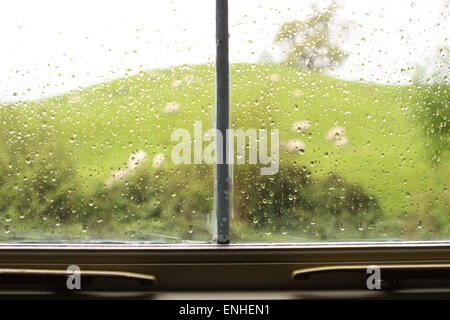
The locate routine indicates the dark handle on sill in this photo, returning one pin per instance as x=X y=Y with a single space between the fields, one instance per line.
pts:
x=20 y=278
x=388 y=271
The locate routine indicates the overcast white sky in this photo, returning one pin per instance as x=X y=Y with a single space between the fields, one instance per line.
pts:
x=52 y=46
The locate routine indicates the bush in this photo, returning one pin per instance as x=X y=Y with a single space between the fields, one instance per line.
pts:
x=434 y=113
x=292 y=200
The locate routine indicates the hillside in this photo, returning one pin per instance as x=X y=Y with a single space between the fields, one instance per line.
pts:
x=96 y=129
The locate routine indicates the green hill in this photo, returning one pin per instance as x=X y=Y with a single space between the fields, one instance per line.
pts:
x=77 y=141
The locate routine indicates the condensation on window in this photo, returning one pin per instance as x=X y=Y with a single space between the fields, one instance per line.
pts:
x=90 y=94
x=359 y=94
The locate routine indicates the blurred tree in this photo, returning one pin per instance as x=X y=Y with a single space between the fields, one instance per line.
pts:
x=433 y=110
x=309 y=43
x=435 y=69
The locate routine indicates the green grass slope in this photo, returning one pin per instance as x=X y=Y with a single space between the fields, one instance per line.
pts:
x=99 y=127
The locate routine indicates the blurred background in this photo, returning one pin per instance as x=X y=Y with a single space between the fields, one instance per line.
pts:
x=90 y=93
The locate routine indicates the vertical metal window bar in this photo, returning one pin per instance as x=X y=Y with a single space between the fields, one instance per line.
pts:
x=222 y=178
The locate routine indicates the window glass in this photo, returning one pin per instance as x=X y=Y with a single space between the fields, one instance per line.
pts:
x=352 y=99
x=90 y=95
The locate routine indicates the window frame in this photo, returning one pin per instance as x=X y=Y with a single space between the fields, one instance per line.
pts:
x=222 y=174
x=238 y=267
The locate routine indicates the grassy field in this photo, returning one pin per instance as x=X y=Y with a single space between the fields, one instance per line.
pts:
x=92 y=133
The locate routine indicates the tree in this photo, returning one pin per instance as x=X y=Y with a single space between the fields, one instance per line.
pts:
x=435 y=69
x=308 y=43
x=432 y=80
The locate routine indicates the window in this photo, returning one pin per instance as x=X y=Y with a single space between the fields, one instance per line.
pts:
x=304 y=135
x=358 y=95
x=86 y=128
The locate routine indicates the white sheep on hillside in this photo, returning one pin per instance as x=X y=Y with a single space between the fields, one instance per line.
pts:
x=137 y=159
